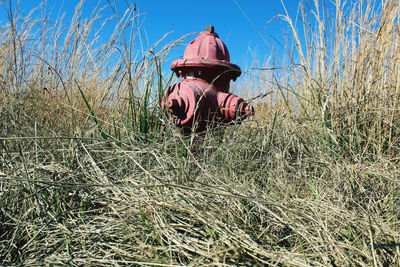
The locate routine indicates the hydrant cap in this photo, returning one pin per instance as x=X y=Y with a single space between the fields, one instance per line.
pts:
x=207 y=51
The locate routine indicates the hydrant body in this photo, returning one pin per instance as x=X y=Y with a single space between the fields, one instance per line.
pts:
x=202 y=98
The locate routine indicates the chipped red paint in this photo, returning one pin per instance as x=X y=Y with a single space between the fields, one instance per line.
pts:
x=202 y=98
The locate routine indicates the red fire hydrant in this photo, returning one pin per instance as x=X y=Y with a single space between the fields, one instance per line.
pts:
x=202 y=98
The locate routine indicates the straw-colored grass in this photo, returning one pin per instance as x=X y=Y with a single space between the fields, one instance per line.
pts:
x=91 y=173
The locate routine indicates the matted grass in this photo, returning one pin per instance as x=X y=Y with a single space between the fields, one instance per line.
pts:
x=92 y=174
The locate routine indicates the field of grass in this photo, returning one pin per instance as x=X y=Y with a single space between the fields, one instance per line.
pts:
x=92 y=173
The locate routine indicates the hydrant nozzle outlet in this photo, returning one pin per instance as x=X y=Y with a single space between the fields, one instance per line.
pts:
x=176 y=105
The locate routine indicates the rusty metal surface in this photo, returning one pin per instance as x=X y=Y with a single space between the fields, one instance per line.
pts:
x=202 y=98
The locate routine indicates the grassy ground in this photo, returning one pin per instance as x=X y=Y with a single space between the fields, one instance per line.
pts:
x=92 y=174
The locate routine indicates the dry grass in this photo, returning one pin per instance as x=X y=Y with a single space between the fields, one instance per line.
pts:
x=313 y=179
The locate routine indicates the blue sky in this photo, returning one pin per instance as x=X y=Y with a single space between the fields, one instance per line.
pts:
x=241 y=24
x=249 y=28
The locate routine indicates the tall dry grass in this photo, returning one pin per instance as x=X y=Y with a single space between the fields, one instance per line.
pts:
x=92 y=174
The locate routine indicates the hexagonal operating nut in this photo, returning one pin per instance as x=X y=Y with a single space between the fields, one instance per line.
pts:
x=210 y=28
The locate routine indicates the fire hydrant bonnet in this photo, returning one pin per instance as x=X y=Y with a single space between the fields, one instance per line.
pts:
x=207 y=51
